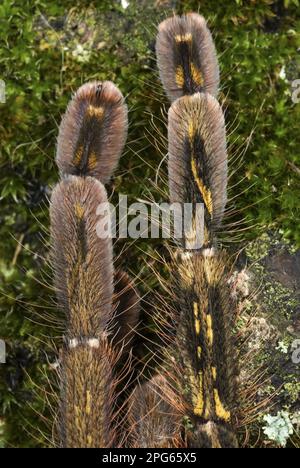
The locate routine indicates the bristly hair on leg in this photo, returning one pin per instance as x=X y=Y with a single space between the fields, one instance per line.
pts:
x=152 y=420
x=206 y=370
x=198 y=158
x=93 y=132
x=101 y=308
x=186 y=56
x=82 y=261
x=200 y=365
x=86 y=414
x=238 y=396
x=83 y=273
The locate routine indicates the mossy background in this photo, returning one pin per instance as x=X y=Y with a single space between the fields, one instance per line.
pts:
x=47 y=50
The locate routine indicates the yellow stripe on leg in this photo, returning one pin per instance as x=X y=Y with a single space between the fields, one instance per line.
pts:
x=187 y=37
x=210 y=332
x=88 y=402
x=197 y=392
x=92 y=160
x=205 y=192
x=197 y=321
x=221 y=412
x=78 y=155
x=179 y=76
x=196 y=75
x=96 y=112
x=79 y=210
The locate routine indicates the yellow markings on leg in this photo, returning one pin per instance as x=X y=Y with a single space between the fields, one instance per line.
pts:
x=214 y=373
x=187 y=37
x=89 y=440
x=198 y=397
x=210 y=332
x=197 y=393
x=198 y=408
x=79 y=210
x=96 y=112
x=199 y=351
x=88 y=402
x=179 y=76
x=78 y=156
x=197 y=326
x=221 y=412
x=196 y=315
x=191 y=131
x=196 y=75
x=205 y=192
x=92 y=160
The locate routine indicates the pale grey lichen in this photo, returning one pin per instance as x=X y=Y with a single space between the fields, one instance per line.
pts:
x=278 y=428
x=270 y=314
x=282 y=347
